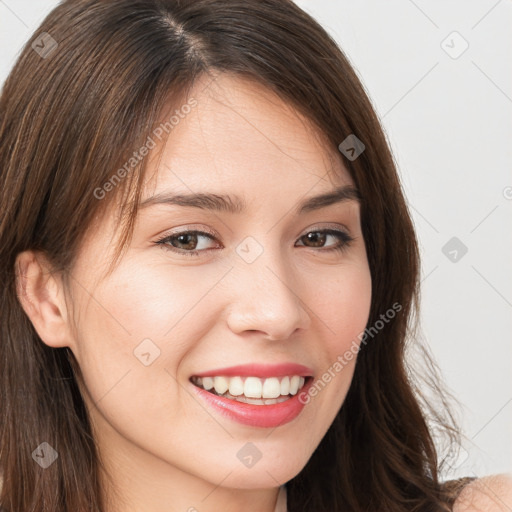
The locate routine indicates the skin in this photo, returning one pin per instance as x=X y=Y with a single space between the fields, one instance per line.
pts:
x=164 y=449
x=491 y=493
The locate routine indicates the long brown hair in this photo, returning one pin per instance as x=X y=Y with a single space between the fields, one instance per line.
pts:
x=86 y=92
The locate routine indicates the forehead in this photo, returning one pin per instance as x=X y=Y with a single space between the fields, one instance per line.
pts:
x=240 y=136
x=238 y=139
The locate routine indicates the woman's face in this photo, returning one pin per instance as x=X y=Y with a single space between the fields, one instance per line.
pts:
x=259 y=291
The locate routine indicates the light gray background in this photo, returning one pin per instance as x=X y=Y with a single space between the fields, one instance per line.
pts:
x=449 y=121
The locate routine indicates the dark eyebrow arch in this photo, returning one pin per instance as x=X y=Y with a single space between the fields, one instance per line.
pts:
x=235 y=204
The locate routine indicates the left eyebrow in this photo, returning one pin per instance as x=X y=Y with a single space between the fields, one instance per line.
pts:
x=236 y=205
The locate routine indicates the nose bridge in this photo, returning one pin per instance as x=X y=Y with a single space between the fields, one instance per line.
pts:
x=266 y=299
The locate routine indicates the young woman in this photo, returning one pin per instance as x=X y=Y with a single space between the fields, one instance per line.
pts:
x=208 y=273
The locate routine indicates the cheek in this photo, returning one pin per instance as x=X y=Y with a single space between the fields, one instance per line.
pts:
x=120 y=334
x=343 y=304
x=139 y=326
x=158 y=299
x=127 y=361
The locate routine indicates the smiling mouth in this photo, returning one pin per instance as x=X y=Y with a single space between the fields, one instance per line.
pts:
x=253 y=390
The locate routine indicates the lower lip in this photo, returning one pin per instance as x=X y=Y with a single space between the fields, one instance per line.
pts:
x=265 y=416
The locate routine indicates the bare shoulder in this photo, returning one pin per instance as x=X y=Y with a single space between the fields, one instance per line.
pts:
x=491 y=493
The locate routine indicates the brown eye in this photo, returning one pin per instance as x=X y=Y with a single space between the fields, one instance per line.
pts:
x=185 y=242
x=318 y=239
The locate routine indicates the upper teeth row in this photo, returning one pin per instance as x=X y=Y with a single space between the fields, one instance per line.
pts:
x=252 y=387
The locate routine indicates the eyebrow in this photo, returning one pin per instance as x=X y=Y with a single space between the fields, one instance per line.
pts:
x=236 y=205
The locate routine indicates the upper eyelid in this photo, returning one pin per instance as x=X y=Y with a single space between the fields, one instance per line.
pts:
x=203 y=231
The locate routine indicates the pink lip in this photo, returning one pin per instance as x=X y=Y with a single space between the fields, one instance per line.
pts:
x=264 y=416
x=260 y=370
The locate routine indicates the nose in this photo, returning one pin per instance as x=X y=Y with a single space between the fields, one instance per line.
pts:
x=265 y=301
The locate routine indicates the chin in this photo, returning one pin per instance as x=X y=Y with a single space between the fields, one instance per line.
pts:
x=271 y=470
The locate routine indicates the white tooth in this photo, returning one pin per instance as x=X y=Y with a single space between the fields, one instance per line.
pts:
x=236 y=386
x=207 y=383
x=294 y=384
x=285 y=386
x=258 y=401
x=252 y=387
x=301 y=382
x=221 y=384
x=271 y=388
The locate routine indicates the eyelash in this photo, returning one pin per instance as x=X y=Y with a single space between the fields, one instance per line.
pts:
x=345 y=241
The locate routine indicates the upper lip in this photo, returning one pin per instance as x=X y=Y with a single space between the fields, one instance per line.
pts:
x=259 y=370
